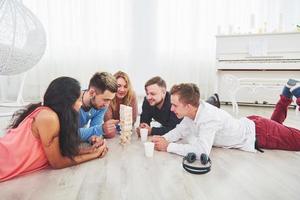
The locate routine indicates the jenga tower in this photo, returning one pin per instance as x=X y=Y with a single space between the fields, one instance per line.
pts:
x=125 y=123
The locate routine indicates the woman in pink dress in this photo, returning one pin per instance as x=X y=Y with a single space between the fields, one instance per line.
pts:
x=45 y=134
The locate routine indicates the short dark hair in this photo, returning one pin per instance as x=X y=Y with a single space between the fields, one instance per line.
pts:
x=156 y=80
x=188 y=93
x=104 y=81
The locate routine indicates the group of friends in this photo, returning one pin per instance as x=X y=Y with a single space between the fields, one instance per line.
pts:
x=49 y=133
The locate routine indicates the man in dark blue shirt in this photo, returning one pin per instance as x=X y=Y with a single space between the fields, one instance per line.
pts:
x=157 y=106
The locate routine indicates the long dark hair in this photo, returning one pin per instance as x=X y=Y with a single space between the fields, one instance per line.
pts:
x=60 y=96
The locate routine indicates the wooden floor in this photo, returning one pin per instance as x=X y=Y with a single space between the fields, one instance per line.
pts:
x=125 y=173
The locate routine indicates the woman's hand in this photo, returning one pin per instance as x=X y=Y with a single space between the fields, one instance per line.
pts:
x=96 y=141
x=101 y=151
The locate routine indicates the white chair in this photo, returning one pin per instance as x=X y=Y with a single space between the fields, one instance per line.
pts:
x=22 y=43
x=232 y=84
x=297 y=110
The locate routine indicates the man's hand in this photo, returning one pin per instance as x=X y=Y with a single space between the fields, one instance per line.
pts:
x=143 y=125
x=109 y=128
x=160 y=143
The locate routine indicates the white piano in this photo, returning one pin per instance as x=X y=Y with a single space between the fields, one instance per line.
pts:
x=252 y=68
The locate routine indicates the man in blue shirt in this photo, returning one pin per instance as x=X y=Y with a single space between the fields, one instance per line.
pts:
x=95 y=101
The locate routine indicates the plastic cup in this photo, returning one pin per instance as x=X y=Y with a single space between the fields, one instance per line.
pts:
x=149 y=149
x=144 y=134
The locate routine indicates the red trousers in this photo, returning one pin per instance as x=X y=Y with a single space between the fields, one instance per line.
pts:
x=272 y=134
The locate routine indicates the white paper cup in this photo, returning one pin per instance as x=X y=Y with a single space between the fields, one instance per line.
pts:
x=144 y=134
x=149 y=149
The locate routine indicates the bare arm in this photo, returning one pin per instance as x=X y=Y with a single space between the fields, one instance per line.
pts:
x=95 y=142
x=47 y=123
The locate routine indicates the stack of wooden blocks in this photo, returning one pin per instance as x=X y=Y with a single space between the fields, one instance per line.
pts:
x=125 y=123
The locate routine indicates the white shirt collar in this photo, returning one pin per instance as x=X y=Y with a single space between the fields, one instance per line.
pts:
x=199 y=113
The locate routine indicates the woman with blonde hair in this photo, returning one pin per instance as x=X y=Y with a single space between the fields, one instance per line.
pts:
x=125 y=95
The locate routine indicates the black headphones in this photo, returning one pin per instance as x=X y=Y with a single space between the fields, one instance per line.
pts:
x=190 y=158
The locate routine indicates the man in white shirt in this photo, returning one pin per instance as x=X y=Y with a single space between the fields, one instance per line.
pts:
x=204 y=126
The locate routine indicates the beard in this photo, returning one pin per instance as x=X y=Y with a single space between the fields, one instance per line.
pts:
x=92 y=104
x=160 y=102
x=85 y=108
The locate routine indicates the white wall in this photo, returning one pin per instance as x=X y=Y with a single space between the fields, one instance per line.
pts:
x=171 y=38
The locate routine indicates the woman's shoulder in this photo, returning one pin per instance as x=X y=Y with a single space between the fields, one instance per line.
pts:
x=47 y=124
x=47 y=116
x=133 y=94
x=133 y=98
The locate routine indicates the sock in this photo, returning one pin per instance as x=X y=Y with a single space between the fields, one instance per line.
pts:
x=286 y=92
x=296 y=90
x=287 y=88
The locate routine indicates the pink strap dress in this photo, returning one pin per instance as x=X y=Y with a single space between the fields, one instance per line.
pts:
x=20 y=151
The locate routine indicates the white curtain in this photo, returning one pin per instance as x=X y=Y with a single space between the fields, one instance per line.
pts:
x=171 y=38
x=187 y=28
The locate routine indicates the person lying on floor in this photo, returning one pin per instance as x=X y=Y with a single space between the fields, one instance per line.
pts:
x=204 y=126
x=95 y=102
x=125 y=95
x=46 y=134
x=157 y=106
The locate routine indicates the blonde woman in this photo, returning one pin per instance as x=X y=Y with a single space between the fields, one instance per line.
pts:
x=125 y=95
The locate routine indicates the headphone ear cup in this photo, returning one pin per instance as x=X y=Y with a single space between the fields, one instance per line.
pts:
x=191 y=157
x=204 y=159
